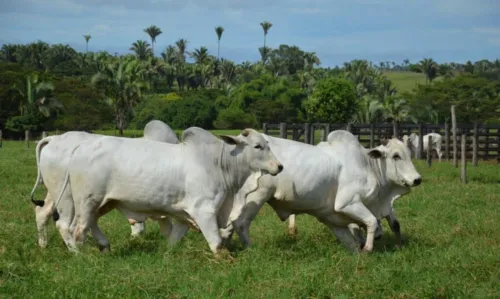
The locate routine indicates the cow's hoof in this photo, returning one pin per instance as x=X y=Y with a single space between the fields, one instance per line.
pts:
x=224 y=255
x=378 y=237
x=104 y=248
x=292 y=231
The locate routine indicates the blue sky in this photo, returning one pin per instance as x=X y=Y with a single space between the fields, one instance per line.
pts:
x=338 y=31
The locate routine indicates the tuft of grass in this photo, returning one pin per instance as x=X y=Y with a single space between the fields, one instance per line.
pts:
x=451 y=232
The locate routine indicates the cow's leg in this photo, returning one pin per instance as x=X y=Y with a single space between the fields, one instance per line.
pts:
x=395 y=227
x=351 y=205
x=179 y=230
x=227 y=234
x=100 y=238
x=42 y=218
x=355 y=231
x=292 y=230
x=254 y=202
x=205 y=217
x=165 y=226
x=343 y=234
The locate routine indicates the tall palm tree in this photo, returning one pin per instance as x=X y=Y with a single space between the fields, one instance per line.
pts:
x=396 y=110
x=430 y=68
x=265 y=26
x=122 y=83
x=87 y=37
x=218 y=30
x=153 y=33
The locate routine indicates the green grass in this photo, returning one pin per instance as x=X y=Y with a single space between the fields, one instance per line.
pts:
x=451 y=231
x=405 y=81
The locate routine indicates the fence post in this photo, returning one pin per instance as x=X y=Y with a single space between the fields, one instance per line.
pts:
x=307 y=133
x=395 y=129
x=349 y=127
x=474 y=145
x=327 y=131
x=446 y=142
x=44 y=134
x=464 y=161
x=372 y=135
x=312 y=130
x=454 y=132
x=57 y=131
x=429 y=151
x=283 y=133
x=420 y=147
x=264 y=128
x=27 y=138
x=1 y=136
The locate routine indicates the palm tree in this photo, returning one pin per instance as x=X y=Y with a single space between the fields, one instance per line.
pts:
x=36 y=95
x=396 y=110
x=87 y=37
x=153 y=32
x=218 y=30
x=142 y=49
x=122 y=83
x=200 y=55
x=265 y=26
x=8 y=52
x=369 y=110
x=430 y=68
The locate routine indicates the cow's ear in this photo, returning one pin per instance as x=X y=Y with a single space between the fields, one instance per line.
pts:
x=376 y=153
x=233 y=140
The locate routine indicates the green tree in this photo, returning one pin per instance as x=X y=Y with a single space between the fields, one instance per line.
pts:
x=430 y=68
x=87 y=37
x=142 y=49
x=265 y=27
x=153 y=32
x=333 y=100
x=219 y=30
x=122 y=84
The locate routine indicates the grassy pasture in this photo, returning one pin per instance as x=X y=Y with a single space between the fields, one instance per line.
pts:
x=451 y=231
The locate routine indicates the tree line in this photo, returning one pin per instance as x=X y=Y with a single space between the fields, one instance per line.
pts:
x=44 y=87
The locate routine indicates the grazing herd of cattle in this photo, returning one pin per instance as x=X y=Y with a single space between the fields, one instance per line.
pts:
x=218 y=185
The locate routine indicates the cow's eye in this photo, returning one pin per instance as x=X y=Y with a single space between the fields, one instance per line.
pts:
x=396 y=157
x=258 y=146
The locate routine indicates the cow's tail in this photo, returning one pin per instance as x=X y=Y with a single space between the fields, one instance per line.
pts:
x=55 y=214
x=39 y=178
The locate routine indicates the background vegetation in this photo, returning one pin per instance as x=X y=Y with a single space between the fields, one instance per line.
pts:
x=48 y=87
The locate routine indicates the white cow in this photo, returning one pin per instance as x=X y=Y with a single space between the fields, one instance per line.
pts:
x=412 y=142
x=52 y=156
x=140 y=179
x=339 y=183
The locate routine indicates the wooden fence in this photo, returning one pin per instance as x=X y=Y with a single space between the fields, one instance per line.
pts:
x=487 y=136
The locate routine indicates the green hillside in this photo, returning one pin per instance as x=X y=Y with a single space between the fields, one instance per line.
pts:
x=405 y=81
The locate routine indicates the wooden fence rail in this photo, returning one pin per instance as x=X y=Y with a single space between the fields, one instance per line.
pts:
x=486 y=138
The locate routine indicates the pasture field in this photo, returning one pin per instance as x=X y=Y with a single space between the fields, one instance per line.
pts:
x=405 y=81
x=451 y=232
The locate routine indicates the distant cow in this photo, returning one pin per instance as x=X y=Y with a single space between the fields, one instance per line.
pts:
x=412 y=142
x=141 y=179
x=339 y=182
x=52 y=156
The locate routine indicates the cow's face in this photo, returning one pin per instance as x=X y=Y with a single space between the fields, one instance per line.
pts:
x=256 y=151
x=399 y=168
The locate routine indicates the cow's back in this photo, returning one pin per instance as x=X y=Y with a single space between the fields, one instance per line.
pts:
x=55 y=157
x=159 y=131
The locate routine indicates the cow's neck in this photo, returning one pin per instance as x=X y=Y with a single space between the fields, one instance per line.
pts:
x=232 y=167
